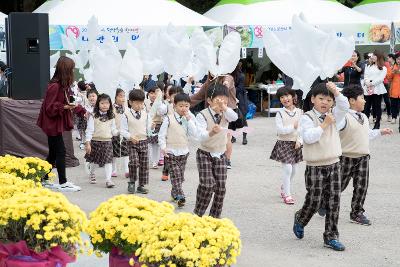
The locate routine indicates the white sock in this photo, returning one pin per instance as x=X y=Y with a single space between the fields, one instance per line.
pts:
x=114 y=165
x=126 y=164
x=108 y=171
x=287 y=174
x=92 y=168
x=155 y=153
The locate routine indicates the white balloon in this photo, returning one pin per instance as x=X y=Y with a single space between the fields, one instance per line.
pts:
x=131 y=70
x=229 y=53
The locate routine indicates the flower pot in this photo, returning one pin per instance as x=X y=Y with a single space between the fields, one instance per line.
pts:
x=19 y=255
x=116 y=259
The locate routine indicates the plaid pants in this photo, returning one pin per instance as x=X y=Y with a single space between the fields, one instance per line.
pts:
x=358 y=169
x=139 y=158
x=323 y=186
x=176 y=168
x=212 y=176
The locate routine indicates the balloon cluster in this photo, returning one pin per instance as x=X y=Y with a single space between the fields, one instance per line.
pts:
x=308 y=53
x=169 y=49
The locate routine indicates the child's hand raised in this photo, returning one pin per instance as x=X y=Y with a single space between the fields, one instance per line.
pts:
x=332 y=88
x=329 y=119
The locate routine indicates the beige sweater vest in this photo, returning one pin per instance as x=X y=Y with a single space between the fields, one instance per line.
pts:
x=288 y=120
x=216 y=143
x=354 y=137
x=157 y=119
x=327 y=150
x=118 y=118
x=176 y=135
x=102 y=130
x=137 y=127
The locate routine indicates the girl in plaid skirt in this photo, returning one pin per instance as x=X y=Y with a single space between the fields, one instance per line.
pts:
x=153 y=101
x=287 y=149
x=99 y=132
x=166 y=109
x=120 y=144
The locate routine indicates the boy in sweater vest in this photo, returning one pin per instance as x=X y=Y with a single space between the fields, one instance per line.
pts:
x=135 y=126
x=166 y=109
x=354 y=136
x=174 y=143
x=321 y=152
x=212 y=126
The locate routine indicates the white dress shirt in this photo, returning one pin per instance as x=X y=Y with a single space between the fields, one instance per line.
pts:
x=191 y=131
x=202 y=132
x=163 y=108
x=281 y=129
x=125 y=129
x=312 y=134
x=90 y=128
x=372 y=133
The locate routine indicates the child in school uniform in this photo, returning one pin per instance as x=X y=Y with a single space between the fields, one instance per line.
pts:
x=135 y=127
x=152 y=103
x=99 y=132
x=212 y=126
x=173 y=140
x=83 y=111
x=120 y=144
x=354 y=136
x=287 y=149
x=165 y=109
x=321 y=152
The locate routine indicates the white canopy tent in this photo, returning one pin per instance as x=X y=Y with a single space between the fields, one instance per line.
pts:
x=281 y=12
x=47 y=6
x=124 y=12
x=389 y=10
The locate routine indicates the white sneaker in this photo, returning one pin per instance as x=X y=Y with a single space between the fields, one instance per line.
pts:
x=389 y=119
x=69 y=187
x=394 y=121
x=82 y=146
x=49 y=185
x=154 y=165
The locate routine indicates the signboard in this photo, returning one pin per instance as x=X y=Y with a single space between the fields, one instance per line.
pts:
x=365 y=34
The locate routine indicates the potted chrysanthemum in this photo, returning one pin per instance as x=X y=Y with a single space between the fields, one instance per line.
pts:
x=39 y=227
x=118 y=225
x=10 y=185
x=186 y=240
x=30 y=168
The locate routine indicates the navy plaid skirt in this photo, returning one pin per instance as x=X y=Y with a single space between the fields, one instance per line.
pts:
x=285 y=152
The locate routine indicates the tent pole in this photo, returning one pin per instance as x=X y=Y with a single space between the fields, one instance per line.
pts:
x=392 y=38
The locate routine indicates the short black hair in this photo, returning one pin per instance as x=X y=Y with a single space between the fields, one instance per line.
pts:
x=320 y=89
x=175 y=90
x=91 y=91
x=182 y=97
x=352 y=91
x=285 y=90
x=392 y=56
x=136 y=95
x=217 y=89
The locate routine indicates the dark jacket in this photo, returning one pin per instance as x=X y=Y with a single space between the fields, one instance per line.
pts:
x=351 y=75
x=53 y=118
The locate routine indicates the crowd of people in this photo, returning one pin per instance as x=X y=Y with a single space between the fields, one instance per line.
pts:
x=154 y=125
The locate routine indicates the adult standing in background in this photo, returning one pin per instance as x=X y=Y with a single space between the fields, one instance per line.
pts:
x=3 y=80
x=241 y=95
x=55 y=117
x=374 y=88
x=352 y=70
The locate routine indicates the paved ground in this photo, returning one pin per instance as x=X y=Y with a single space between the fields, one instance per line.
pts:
x=253 y=203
